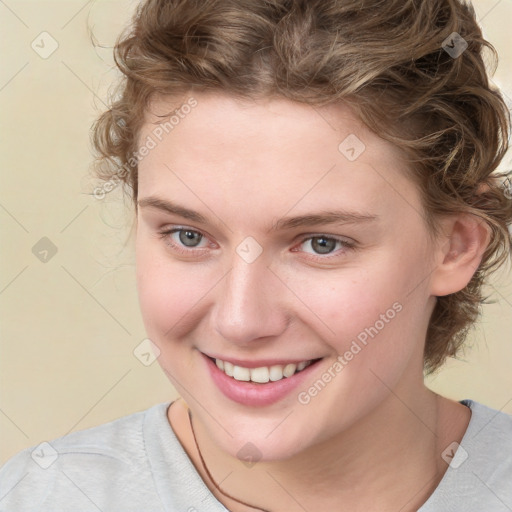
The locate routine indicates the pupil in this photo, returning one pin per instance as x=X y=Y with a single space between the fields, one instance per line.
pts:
x=323 y=245
x=190 y=238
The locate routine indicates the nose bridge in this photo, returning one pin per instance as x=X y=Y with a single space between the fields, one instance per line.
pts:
x=247 y=306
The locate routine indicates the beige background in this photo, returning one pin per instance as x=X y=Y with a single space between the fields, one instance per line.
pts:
x=70 y=325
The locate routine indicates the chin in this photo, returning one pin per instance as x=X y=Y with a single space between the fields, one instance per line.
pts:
x=257 y=445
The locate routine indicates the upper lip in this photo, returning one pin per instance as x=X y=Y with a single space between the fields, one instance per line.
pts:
x=260 y=362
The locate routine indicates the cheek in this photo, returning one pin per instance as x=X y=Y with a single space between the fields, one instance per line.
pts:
x=374 y=335
x=367 y=314
x=169 y=294
x=346 y=302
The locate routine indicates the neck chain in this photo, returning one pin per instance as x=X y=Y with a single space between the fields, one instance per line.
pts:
x=209 y=474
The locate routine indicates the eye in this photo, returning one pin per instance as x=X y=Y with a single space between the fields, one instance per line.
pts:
x=324 y=245
x=183 y=239
x=190 y=241
x=189 y=238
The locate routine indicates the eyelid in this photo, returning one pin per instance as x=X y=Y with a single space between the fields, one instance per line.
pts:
x=343 y=239
x=166 y=231
x=347 y=243
x=180 y=227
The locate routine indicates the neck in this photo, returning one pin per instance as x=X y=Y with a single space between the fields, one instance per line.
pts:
x=390 y=457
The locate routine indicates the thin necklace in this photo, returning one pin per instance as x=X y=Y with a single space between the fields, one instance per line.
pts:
x=209 y=474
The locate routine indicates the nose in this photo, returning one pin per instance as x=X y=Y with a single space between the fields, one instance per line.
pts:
x=248 y=306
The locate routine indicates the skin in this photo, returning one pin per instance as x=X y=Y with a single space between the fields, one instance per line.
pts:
x=373 y=437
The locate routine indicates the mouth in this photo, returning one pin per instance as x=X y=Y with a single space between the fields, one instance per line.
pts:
x=261 y=374
x=259 y=383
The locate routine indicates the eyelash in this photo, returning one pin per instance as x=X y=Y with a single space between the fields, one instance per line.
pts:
x=165 y=235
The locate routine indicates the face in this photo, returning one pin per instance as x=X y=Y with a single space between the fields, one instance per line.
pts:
x=266 y=239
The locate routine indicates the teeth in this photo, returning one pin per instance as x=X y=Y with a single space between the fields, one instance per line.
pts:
x=228 y=368
x=289 y=369
x=263 y=374
x=240 y=373
x=276 y=373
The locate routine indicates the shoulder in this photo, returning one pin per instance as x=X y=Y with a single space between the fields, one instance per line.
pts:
x=479 y=476
x=487 y=425
x=74 y=468
x=488 y=441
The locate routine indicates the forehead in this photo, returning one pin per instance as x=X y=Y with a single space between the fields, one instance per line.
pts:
x=278 y=123
x=272 y=152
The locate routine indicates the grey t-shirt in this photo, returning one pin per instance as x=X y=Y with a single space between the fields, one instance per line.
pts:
x=136 y=463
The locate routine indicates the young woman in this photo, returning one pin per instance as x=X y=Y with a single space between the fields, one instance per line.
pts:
x=317 y=209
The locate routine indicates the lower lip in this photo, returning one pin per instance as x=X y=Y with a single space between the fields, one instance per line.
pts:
x=253 y=394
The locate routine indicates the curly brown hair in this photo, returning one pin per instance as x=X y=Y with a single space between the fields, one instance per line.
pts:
x=390 y=59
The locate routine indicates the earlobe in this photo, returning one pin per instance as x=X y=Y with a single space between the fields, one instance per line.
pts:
x=459 y=253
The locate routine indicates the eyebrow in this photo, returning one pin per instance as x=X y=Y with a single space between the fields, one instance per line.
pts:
x=322 y=217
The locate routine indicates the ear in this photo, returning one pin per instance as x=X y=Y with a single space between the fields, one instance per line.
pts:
x=458 y=253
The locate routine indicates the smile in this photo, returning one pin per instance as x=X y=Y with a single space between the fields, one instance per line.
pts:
x=258 y=383
x=263 y=374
